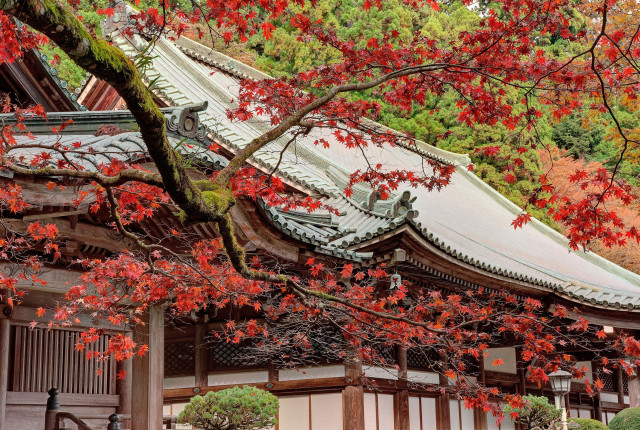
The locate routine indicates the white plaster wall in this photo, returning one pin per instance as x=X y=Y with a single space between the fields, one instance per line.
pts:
x=454 y=416
x=492 y=423
x=312 y=372
x=609 y=397
x=370 y=412
x=179 y=382
x=385 y=412
x=584 y=413
x=380 y=372
x=420 y=376
x=508 y=356
x=588 y=373
x=428 y=413
x=237 y=378
x=467 y=417
x=294 y=413
x=326 y=411
x=414 y=413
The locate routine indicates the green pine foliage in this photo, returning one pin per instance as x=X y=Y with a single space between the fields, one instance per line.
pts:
x=537 y=413
x=237 y=408
x=626 y=419
x=586 y=424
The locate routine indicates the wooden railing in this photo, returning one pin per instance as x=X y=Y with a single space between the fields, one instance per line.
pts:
x=53 y=416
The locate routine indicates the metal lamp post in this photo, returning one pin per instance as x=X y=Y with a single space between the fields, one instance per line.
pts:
x=561 y=385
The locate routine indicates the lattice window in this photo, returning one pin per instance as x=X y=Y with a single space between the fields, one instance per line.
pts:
x=224 y=355
x=610 y=381
x=625 y=382
x=384 y=355
x=417 y=359
x=179 y=358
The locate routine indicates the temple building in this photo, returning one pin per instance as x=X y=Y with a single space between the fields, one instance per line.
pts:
x=459 y=238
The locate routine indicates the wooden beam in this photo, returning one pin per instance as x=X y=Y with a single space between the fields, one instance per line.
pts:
x=148 y=373
x=502 y=377
x=94 y=235
x=20 y=398
x=279 y=387
x=5 y=332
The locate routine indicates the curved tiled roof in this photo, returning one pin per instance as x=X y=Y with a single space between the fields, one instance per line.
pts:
x=92 y=150
x=466 y=220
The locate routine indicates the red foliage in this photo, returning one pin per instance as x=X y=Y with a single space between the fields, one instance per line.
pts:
x=501 y=51
x=612 y=218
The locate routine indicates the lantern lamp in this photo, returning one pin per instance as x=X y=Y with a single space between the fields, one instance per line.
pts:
x=560 y=382
x=561 y=385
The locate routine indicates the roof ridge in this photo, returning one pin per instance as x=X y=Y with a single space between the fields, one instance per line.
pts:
x=244 y=71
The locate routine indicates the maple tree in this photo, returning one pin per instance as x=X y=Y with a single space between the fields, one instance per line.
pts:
x=500 y=53
x=564 y=172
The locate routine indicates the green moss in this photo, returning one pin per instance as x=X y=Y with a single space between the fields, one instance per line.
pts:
x=216 y=197
x=181 y=215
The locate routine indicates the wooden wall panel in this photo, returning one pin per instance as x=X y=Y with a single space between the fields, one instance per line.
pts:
x=49 y=358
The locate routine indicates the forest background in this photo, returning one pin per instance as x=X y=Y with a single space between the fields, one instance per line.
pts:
x=515 y=162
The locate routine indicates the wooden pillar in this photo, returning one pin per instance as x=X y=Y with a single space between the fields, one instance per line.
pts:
x=479 y=415
x=443 y=419
x=634 y=391
x=620 y=385
x=401 y=400
x=5 y=331
x=401 y=410
x=597 y=408
x=353 y=396
x=201 y=368
x=273 y=373
x=148 y=373
x=521 y=369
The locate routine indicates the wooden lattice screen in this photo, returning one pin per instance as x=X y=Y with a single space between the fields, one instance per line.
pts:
x=48 y=358
x=179 y=357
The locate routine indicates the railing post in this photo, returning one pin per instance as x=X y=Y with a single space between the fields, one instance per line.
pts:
x=53 y=407
x=114 y=422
